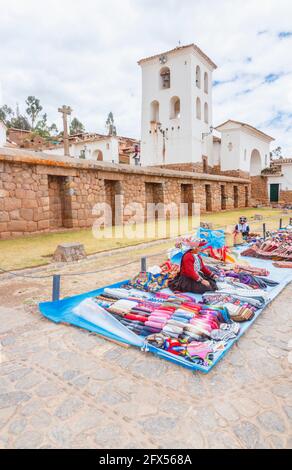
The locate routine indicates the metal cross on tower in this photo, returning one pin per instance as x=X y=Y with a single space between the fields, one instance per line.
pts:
x=65 y=111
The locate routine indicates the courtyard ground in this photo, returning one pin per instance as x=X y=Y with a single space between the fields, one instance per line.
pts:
x=37 y=250
x=64 y=387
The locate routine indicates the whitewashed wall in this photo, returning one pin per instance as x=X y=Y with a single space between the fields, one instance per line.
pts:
x=109 y=148
x=216 y=154
x=284 y=181
x=237 y=146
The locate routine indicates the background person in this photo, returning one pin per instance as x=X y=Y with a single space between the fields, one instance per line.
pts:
x=242 y=227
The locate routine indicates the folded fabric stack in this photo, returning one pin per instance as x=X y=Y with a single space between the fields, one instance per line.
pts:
x=251 y=270
x=125 y=293
x=175 y=316
x=122 y=307
x=277 y=247
x=225 y=332
x=198 y=351
x=239 y=309
x=283 y=264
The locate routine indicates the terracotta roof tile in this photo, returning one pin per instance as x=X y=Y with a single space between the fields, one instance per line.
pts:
x=178 y=49
x=244 y=124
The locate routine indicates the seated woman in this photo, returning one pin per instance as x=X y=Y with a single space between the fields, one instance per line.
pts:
x=194 y=276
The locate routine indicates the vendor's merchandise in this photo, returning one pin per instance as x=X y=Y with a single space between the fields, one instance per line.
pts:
x=278 y=246
x=283 y=264
x=192 y=329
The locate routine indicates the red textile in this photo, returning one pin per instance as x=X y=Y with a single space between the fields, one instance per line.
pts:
x=187 y=267
x=131 y=316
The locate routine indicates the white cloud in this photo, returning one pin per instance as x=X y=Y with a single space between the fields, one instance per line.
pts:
x=84 y=53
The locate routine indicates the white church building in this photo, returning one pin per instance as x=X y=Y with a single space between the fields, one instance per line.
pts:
x=177 y=118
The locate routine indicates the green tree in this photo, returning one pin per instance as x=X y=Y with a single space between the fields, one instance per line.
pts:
x=6 y=114
x=33 y=109
x=44 y=130
x=20 y=122
x=53 y=129
x=76 y=127
x=277 y=152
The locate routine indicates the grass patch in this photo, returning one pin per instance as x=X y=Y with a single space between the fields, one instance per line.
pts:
x=36 y=250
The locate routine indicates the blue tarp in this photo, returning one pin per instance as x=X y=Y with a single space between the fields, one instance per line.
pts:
x=62 y=311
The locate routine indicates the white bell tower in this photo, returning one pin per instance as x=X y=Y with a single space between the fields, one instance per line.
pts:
x=176 y=107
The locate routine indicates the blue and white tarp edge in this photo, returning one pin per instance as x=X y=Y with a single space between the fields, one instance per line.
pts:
x=63 y=311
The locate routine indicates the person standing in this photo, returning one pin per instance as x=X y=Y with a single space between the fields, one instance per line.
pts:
x=242 y=227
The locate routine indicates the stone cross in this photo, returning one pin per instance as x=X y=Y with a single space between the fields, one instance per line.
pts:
x=65 y=111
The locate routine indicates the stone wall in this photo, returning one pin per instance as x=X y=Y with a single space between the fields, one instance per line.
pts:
x=216 y=170
x=285 y=197
x=259 y=190
x=40 y=194
x=195 y=167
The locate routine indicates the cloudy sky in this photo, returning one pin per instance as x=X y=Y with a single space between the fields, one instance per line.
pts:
x=84 y=53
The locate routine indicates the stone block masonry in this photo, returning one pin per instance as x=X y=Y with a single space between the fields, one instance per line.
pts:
x=39 y=193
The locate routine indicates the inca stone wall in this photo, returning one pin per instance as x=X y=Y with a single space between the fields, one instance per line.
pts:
x=259 y=190
x=40 y=194
x=285 y=197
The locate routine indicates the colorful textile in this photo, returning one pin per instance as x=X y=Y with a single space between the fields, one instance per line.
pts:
x=278 y=247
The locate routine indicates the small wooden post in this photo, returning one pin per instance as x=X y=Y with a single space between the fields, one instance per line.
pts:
x=264 y=231
x=56 y=287
x=143 y=264
x=281 y=222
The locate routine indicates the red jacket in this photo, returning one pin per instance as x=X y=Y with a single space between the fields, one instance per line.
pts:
x=188 y=269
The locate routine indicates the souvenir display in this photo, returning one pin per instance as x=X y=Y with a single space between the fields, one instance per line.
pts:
x=278 y=247
x=194 y=305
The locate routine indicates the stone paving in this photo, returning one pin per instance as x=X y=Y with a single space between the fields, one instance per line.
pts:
x=62 y=387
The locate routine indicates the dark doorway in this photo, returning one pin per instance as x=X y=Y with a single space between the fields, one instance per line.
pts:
x=153 y=195
x=205 y=164
x=208 y=197
x=60 y=209
x=112 y=189
x=274 y=192
x=235 y=196
x=246 y=196
x=187 y=197
x=223 y=197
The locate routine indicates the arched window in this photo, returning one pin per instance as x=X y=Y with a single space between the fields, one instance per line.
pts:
x=205 y=82
x=154 y=111
x=174 y=108
x=164 y=77
x=97 y=155
x=198 y=76
x=206 y=113
x=198 y=108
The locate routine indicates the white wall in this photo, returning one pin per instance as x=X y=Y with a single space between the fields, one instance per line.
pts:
x=2 y=134
x=237 y=156
x=109 y=148
x=216 y=154
x=184 y=134
x=284 y=181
